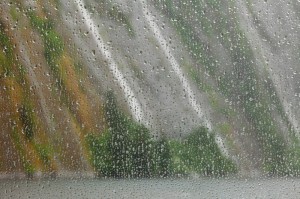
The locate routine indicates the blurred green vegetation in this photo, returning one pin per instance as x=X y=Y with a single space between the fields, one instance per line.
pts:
x=198 y=49
x=198 y=153
x=6 y=53
x=27 y=165
x=27 y=119
x=15 y=13
x=126 y=149
x=23 y=136
x=44 y=151
x=53 y=43
x=240 y=83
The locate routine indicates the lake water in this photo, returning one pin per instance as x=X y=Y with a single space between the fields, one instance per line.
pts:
x=151 y=188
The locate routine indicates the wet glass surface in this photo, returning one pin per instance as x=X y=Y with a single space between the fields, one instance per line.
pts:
x=154 y=188
x=149 y=98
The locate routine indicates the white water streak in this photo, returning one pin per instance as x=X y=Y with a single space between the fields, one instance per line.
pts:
x=134 y=105
x=175 y=66
x=265 y=52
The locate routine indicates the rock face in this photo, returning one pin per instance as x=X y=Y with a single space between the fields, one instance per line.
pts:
x=232 y=67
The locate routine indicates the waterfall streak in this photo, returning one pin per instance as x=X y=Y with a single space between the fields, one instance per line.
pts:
x=134 y=105
x=175 y=66
x=185 y=84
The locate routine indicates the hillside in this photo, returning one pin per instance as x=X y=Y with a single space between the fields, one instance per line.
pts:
x=173 y=67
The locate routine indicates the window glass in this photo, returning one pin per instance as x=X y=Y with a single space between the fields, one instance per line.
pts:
x=149 y=99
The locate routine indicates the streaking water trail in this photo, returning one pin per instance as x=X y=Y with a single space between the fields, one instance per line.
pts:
x=174 y=64
x=134 y=105
x=176 y=67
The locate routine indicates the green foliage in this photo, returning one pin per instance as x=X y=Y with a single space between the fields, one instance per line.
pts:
x=292 y=162
x=240 y=83
x=199 y=81
x=127 y=150
x=53 y=43
x=5 y=42
x=139 y=150
x=116 y=119
x=15 y=13
x=118 y=156
x=101 y=153
x=161 y=155
x=199 y=153
x=8 y=60
x=6 y=53
x=44 y=153
x=28 y=167
x=53 y=49
x=26 y=117
x=42 y=25
x=177 y=164
x=199 y=50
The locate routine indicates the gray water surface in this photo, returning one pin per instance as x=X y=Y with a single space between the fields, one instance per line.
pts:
x=151 y=188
